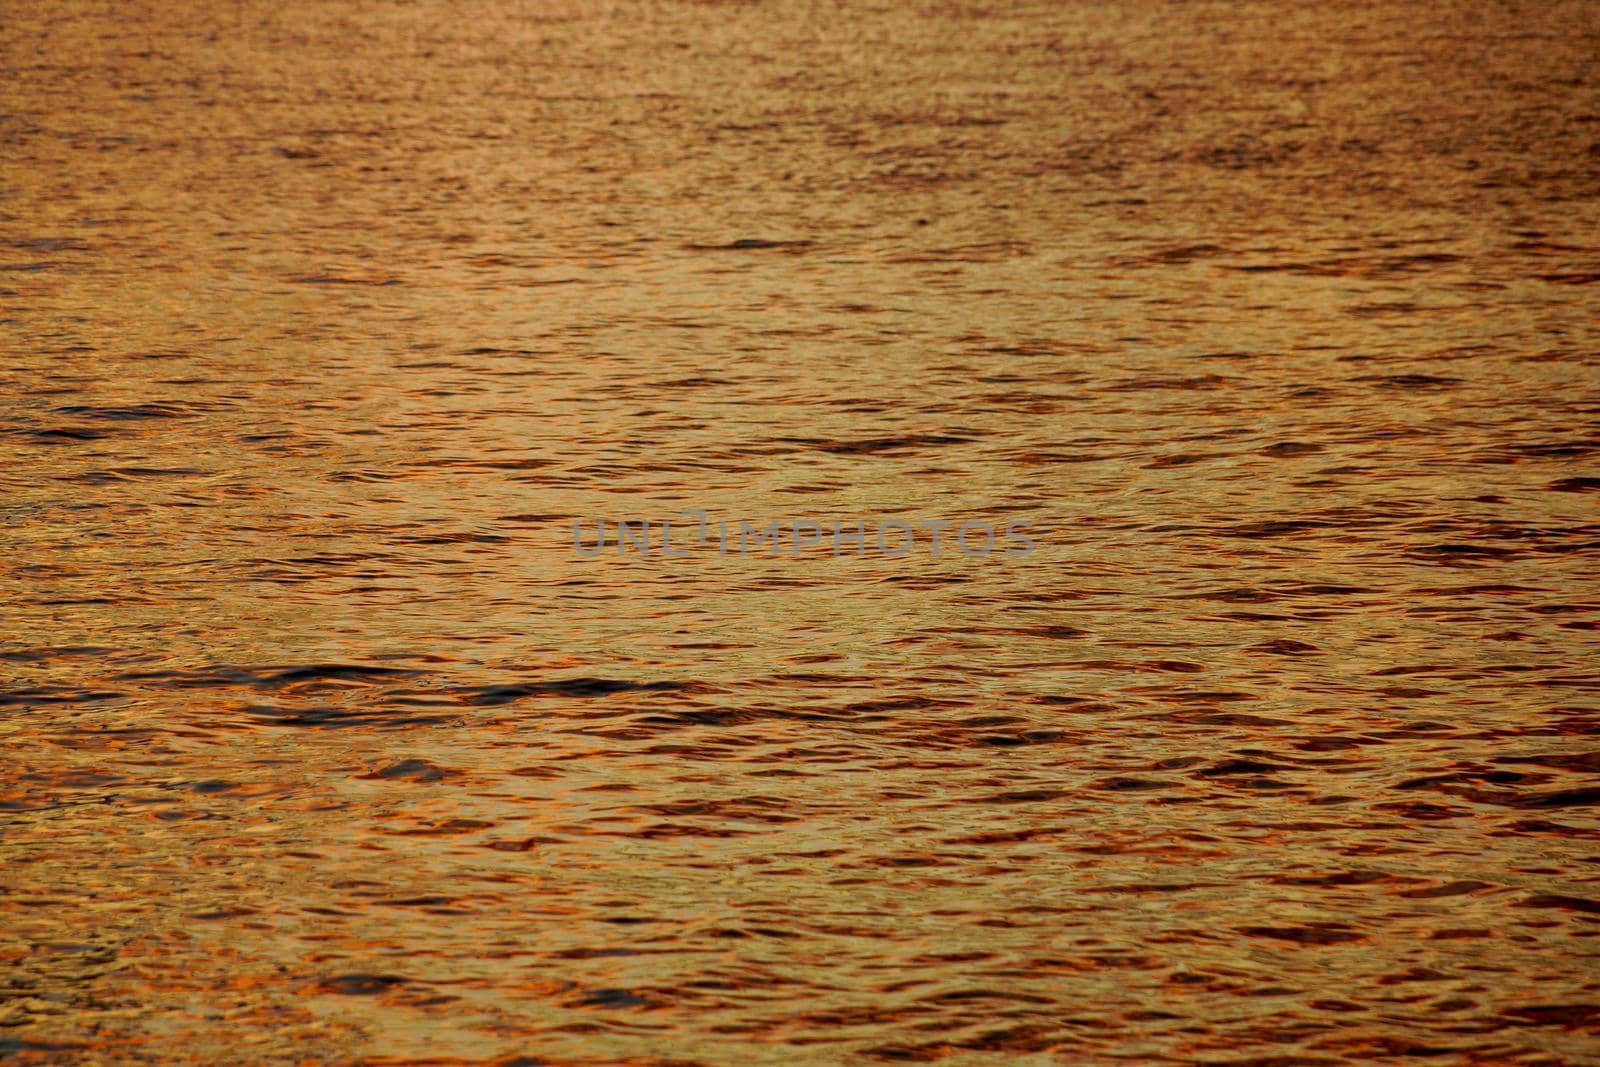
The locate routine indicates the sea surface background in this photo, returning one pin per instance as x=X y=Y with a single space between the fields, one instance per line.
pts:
x=321 y=324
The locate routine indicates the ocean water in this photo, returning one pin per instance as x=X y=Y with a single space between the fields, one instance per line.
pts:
x=1273 y=325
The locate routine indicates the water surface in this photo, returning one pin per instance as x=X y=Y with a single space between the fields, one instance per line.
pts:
x=321 y=325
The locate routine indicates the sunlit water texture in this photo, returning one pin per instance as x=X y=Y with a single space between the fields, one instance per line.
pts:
x=323 y=322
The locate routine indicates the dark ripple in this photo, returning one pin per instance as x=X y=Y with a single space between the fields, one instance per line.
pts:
x=574 y=687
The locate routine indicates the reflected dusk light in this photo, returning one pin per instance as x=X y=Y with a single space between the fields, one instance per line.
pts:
x=783 y=532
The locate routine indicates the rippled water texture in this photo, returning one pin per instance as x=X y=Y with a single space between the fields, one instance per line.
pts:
x=1276 y=321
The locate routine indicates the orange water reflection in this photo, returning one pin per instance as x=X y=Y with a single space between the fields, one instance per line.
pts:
x=322 y=326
